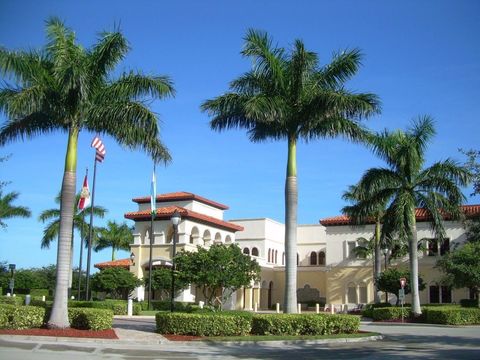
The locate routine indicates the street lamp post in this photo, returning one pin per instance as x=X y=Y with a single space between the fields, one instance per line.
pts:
x=385 y=253
x=11 y=267
x=175 y=221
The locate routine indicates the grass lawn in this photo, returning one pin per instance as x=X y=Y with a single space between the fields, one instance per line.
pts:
x=148 y=312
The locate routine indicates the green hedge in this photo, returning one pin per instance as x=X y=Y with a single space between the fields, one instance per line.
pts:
x=307 y=324
x=119 y=307
x=469 y=303
x=368 y=311
x=39 y=292
x=90 y=319
x=12 y=300
x=452 y=315
x=203 y=324
x=390 y=313
x=21 y=317
x=162 y=305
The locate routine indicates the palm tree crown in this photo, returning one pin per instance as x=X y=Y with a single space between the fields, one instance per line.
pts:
x=406 y=184
x=69 y=88
x=8 y=210
x=117 y=236
x=288 y=96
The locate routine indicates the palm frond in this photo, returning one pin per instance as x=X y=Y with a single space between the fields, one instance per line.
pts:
x=342 y=67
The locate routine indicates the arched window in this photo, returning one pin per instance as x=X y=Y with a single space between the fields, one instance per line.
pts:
x=363 y=293
x=228 y=239
x=246 y=251
x=207 y=237
x=254 y=251
x=218 y=238
x=434 y=291
x=269 y=255
x=313 y=258
x=352 y=294
x=194 y=235
x=321 y=258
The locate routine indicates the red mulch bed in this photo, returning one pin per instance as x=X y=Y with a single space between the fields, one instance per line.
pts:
x=98 y=334
x=173 y=337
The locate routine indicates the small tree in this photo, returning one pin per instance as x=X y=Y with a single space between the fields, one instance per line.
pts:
x=462 y=267
x=219 y=270
x=117 y=282
x=389 y=281
x=162 y=280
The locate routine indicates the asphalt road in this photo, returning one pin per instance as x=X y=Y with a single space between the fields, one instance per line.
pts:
x=400 y=343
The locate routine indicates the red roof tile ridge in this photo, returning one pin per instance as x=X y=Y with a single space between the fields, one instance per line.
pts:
x=180 y=195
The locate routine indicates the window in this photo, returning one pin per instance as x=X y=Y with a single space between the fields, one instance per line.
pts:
x=298 y=258
x=363 y=293
x=313 y=258
x=434 y=294
x=321 y=258
x=445 y=247
x=433 y=247
x=246 y=251
x=446 y=295
x=352 y=294
x=254 y=251
x=351 y=245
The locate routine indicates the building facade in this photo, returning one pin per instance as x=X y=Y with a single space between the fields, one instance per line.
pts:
x=328 y=270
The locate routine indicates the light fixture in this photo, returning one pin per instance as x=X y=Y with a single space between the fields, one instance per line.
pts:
x=175 y=218
x=132 y=258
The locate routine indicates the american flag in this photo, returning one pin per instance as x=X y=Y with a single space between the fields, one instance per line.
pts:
x=100 y=149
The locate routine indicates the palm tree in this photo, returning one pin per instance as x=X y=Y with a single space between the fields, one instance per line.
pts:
x=405 y=185
x=51 y=231
x=8 y=210
x=355 y=194
x=287 y=96
x=116 y=236
x=69 y=88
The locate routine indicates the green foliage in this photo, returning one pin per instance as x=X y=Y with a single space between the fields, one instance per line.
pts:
x=469 y=303
x=219 y=270
x=304 y=324
x=8 y=210
x=119 y=307
x=12 y=300
x=473 y=166
x=21 y=317
x=39 y=292
x=202 y=324
x=368 y=311
x=164 y=305
x=452 y=315
x=462 y=266
x=389 y=281
x=390 y=313
x=473 y=229
x=116 y=236
x=90 y=319
x=162 y=280
x=118 y=282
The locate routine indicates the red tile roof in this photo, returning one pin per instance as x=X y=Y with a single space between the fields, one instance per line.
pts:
x=178 y=196
x=124 y=263
x=420 y=214
x=165 y=213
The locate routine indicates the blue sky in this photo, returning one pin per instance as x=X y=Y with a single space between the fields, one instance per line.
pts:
x=420 y=58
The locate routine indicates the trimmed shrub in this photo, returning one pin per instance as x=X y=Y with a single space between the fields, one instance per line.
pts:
x=163 y=305
x=390 y=313
x=368 y=311
x=39 y=292
x=119 y=307
x=203 y=324
x=90 y=319
x=21 y=317
x=12 y=300
x=452 y=315
x=308 y=324
x=469 y=303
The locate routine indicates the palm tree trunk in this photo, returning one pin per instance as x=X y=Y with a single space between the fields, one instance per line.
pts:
x=59 y=315
x=291 y=203
x=413 y=253
x=377 y=260
x=113 y=253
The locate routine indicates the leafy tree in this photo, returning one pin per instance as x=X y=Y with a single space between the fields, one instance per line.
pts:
x=462 y=266
x=473 y=230
x=162 y=280
x=219 y=271
x=405 y=184
x=287 y=96
x=473 y=166
x=389 y=281
x=69 y=88
x=118 y=282
x=51 y=231
x=116 y=236
x=8 y=210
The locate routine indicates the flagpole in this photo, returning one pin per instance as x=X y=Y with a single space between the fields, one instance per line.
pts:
x=90 y=235
x=82 y=238
x=153 y=210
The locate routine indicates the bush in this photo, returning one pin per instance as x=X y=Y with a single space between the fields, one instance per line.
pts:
x=368 y=311
x=297 y=324
x=90 y=319
x=469 y=303
x=215 y=324
x=452 y=315
x=119 y=307
x=21 y=317
x=39 y=292
x=390 y=313
x=164 y=305
x=12 y=300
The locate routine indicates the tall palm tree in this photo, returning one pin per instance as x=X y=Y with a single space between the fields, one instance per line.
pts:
x=69 y=88
x=355 y=194
x=287 y=96
x=51 y=231
x=8 y=210
x=116 y=236
x=406 y=184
